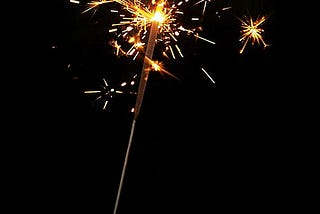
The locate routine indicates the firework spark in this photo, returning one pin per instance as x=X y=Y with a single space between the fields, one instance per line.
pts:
x=206 y=73
x=105 y=92
x=205 y=2
x=251 y=30
x=74 y=1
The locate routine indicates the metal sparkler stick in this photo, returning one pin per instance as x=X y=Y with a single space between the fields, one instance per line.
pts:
x=142 y=86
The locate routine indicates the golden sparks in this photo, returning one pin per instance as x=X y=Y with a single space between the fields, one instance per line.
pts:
x=251 y=30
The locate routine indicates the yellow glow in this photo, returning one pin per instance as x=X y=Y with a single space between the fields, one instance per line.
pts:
x=139 y=44
x=131 y=40
x=159 y=17
x=156 y=67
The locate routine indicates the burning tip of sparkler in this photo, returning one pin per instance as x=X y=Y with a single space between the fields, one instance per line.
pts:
x=158 y=17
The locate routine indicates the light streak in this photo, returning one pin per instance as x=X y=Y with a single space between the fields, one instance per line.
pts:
x=206 y=73
x=74 y=1
x=204 y=5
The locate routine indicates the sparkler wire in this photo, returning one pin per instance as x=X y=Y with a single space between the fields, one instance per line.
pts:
x=124 y=167
x=142 y=86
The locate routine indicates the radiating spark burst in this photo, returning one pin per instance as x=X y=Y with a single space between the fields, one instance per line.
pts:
x=134 y=23
x=251 y=30
x=158 y=67
x=105 y=92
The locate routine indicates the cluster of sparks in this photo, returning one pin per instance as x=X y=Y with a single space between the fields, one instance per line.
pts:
x=107 y=92
x=134 y=19
x=252 y=30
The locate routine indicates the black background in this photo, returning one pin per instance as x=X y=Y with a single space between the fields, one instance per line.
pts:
x=197 y=146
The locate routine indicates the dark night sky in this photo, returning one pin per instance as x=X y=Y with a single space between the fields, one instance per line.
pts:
x=197 y=145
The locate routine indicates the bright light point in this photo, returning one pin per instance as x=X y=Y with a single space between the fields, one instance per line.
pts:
x=139 y=44
x=123 y=84
x=132 y=40
x=132 y=110
x=158 y=17
x=156 y=67
x=176 y=33
x=129 y=28
x=132 y=83
x=112 y=90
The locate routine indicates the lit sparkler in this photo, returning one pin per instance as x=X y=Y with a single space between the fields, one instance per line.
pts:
x=157 y=19
x=251 y=30
x=140 y=28
x=156 y=23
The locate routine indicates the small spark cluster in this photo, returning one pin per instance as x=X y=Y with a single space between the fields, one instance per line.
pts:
x=251 y=30
x=106 y=92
